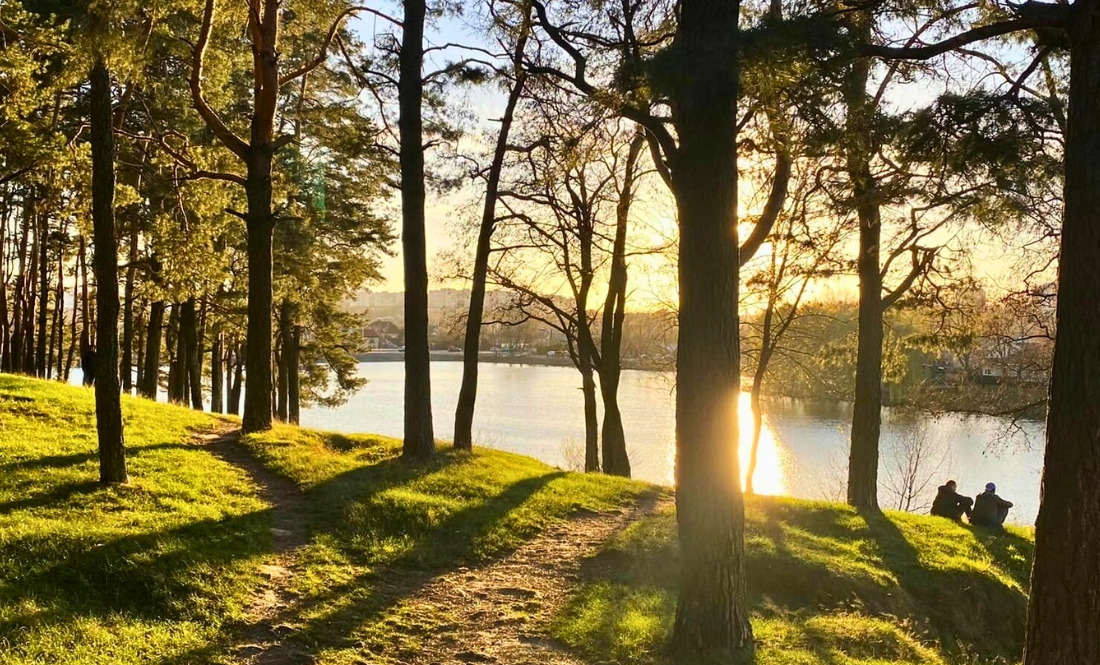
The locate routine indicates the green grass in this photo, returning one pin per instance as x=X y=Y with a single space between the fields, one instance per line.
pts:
x=828 y=586
x=161 y=570
x=382 y=528
x=125 y=574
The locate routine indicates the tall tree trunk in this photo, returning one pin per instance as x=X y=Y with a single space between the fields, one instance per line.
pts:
x=754 y=396
x=419 y=433
x=57 y=334
x=591 y=419
x=194 y=355
x=108 y=405
x=286 y=335
x=234 y=406
x=712 y=613
x=294 y=392
x=72 y=326
x=257 y=398
x=615 y=459
x=127 y=365
x=151 y=376
x=86 y=314
x=216 y=365
x=5 y=322
x=176 y=347
x=139 y=344
x=863 y=457
x=31 y=291
x=1064 y=605
x=16 y=362
x=467 y=394
x=43 y=341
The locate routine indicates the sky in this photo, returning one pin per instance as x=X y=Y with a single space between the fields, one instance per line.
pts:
x=992 y=261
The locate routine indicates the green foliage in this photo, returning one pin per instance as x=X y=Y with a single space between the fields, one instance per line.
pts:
x=827 y=584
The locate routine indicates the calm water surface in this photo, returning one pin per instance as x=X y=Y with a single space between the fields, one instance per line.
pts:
x=537 y=411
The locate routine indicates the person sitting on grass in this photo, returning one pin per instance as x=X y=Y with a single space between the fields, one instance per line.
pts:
x=950 y=504
x=990 y=510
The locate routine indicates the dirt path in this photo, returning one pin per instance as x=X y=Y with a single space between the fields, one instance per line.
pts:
x=498 y=612
x=262 y=642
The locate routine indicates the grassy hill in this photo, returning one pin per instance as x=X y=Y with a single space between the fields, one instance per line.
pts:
x=165 y=569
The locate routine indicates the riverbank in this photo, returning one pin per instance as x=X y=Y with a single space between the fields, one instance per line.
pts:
x=501 y=359
x=300 y=545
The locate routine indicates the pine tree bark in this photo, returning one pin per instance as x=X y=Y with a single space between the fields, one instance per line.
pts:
x=194 y=354
x=108 y=405
x=43 y=341
x=31 y=291
x=57 y=334
x=294 y=391
x=257 y=398
x=863 y=459
x=419 y=442
x=5 y=322
x=234 y=406
x=177 y=377
x=1064 y=605
x=286 y=334
x=151 y=375
x=467 y=394
x=16 y=361
x=86 y=313
x=712 y=613
x=216 y=374
x=127 y=365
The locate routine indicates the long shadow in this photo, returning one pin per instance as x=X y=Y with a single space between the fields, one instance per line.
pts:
x=77 y=459
x=55 y=496
x=1014 y=554
x=983 y=612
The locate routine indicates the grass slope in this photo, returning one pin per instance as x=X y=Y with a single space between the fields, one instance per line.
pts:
x=828 y=586
x=122 y=575
x=163 y=569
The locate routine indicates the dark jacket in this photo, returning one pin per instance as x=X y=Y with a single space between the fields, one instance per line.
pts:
x=990 y=509
x=950 y=504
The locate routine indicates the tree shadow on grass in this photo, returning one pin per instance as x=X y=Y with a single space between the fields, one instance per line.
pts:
x=55 y=496
x=966 y=612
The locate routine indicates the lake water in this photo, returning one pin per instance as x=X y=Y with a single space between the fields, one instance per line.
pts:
x=537 y=411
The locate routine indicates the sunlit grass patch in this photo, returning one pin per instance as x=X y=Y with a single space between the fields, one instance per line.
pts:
x=828 y=585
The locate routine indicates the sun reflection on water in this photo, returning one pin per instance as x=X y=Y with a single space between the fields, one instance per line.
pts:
x=769 y=477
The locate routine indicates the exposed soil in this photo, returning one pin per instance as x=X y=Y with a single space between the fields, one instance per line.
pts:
x=262 y=642
x=497 y=612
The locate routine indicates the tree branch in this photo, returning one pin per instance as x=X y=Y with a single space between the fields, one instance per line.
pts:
x=237 y=146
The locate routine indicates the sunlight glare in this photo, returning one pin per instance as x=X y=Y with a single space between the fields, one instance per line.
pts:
x=768 y=478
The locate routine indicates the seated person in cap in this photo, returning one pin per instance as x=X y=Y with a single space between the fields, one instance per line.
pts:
x=950 y=504
x=989 y=509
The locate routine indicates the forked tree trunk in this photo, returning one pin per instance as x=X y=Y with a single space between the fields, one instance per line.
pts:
x=419 y=440
x=467 y=394
x=151 y=375
x=615 y=459
x=108 y=405
x=1064 y=606
x=863 y=456
x=712 y=614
